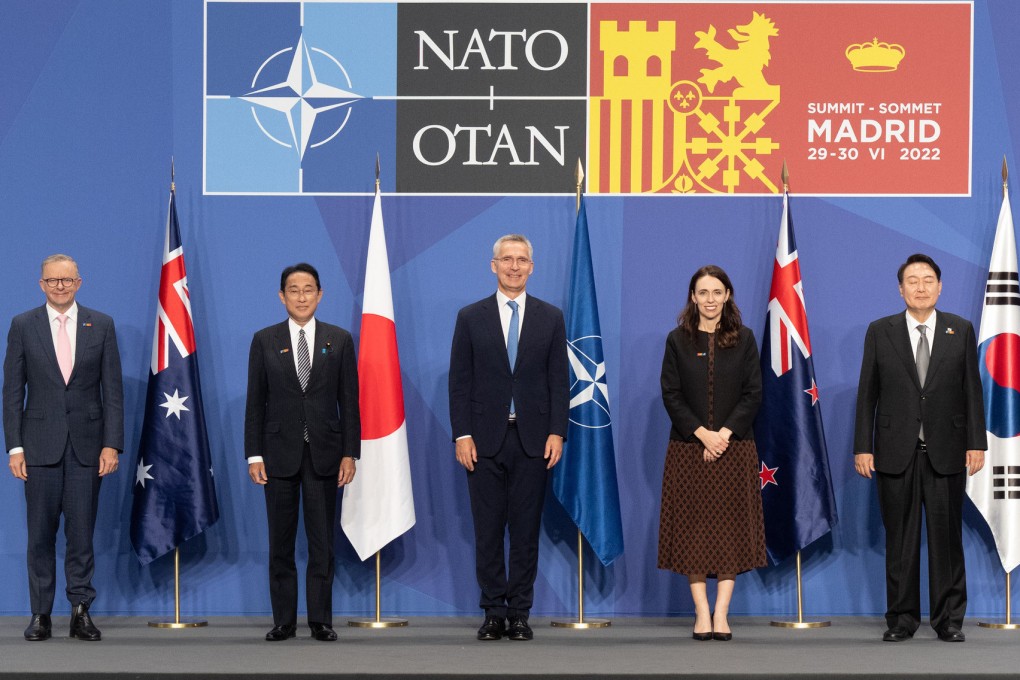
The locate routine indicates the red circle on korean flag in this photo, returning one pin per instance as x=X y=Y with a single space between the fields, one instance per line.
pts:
x=1001 y=359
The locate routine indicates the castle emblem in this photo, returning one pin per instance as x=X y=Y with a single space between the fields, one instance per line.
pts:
x=658 y=129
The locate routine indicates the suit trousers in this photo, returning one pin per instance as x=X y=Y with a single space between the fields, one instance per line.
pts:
x=507 y=494
x=901 y=498
x=72 y=489
x=284 y=496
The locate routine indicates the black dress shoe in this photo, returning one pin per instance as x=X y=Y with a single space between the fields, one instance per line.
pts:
x=702 y=637
x=81 y=624
x=951 y=634
x=519 y=629
x=492 y=629
x=322 y=632
x=39 y=628
x=897 y=634
x=280 y=633
x=722 y=637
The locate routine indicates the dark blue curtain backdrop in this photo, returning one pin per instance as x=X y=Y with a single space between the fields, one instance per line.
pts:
x=97 y=95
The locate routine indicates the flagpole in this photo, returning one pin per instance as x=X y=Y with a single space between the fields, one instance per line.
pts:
x=177 y=621
x=580 y=622
x=800 y=623
x=1008 y=625
x=378 y=621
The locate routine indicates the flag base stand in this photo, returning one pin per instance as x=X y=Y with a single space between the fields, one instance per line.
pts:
x=378 y=621
x=587 y=623
x=178 y=622
x=1008 y=625
x=581 y=623
x=800 y=623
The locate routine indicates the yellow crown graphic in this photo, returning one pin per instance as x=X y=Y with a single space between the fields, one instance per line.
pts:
x=875 y=56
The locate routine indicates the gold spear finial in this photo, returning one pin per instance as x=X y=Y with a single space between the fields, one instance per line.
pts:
x=785 y=175
x=579 y=176
x=172 y=184
x=377 y=171
x=1005 y=175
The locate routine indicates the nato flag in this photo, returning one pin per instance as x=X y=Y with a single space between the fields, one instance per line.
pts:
x=796 y=490
x=585 y=480
x=174 y=494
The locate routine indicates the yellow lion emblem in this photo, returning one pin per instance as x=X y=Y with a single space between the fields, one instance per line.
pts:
x=745 y=63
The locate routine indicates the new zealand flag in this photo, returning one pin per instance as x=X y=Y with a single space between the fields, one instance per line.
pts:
x=174 y=494
x=795 y=485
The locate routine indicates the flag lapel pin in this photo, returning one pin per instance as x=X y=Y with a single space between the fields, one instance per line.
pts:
x=950 y=331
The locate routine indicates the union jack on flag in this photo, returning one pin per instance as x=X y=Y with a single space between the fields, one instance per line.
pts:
x=795 y=484
x=174 y=493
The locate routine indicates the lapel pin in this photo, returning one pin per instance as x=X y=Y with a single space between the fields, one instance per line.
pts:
x=86 y=325
x=702 y=354
x=950 y=331
x=323 y=350
x=284 y=350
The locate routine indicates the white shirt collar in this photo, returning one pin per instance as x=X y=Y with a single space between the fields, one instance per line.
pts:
x=502 y=299
x=72 y=312
x=912 y=323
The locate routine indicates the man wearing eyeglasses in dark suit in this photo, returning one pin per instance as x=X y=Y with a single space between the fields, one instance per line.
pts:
x=509 y=399
x=64 y=429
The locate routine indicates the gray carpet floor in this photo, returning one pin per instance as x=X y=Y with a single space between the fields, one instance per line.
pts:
x=233 y=647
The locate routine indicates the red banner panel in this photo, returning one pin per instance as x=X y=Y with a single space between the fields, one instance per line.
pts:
x=857 y=98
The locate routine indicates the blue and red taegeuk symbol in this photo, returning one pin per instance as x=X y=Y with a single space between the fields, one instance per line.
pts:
x=999 y=365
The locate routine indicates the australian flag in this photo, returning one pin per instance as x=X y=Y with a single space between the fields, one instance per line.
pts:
x=585 y=480
x=795 y=485
x=174 y=494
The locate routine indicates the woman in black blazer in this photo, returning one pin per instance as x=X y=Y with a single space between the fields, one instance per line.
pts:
x=711 y=523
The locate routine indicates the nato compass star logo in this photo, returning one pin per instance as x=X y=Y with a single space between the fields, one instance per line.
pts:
x=301 y=98
x=589 y=393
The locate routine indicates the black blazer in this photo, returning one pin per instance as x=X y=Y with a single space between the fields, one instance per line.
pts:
x=891 y=404
x=482 y=384
x=277 y=409
x=736 y=386
x=89 y=408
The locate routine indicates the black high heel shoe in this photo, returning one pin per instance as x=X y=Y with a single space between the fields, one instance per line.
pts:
x=722 y=637
x=702 y=637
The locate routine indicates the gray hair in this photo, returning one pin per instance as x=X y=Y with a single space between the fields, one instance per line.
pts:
x=512 y=238
x=59 y=257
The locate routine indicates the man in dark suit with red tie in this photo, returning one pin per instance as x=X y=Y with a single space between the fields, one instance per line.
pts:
x=509 y=399
x=64 y=427
x=920 y=428
x=302 y=434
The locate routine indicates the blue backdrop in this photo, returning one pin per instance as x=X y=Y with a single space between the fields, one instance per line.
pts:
x=98 y=95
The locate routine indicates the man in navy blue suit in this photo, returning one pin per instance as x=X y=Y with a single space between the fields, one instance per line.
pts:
x=64 y=427
x=509 y=399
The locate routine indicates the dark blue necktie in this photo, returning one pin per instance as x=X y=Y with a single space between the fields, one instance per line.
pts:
x=511 y=342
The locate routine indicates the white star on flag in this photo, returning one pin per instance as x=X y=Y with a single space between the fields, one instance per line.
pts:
x=142 y=473
x=174 y=404
x=584 y=376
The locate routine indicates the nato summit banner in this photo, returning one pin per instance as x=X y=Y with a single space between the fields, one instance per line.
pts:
x=658 y=98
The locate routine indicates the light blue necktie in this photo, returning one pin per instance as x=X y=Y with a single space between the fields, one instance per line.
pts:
x=511 y=343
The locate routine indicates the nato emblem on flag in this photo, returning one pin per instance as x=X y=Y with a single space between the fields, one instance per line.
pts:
x=298 y=95
x=995 y=489
x=585 y=479
x=796 y=488
x=174 y=494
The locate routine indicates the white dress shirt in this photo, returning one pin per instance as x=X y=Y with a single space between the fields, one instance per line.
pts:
x=915 y=335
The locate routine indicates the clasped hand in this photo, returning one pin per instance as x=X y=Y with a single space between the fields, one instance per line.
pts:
x=715 y=442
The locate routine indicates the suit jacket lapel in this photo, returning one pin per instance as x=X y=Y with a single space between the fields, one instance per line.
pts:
x=42 y=327
x=900 y=338
x=938 y=349
x=282 y=346
x=494 y=326
x=529 y=327
x=83 y=338
x=323 y=336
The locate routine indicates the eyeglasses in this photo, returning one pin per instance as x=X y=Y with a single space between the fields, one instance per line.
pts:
x=298 y=292
x=66 y=282
x=510 y=261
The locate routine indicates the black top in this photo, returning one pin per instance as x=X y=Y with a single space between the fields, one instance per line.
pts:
x=736 y=387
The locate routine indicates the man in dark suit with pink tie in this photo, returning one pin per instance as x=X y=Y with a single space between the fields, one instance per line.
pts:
x=64 y=430
x=509 y=400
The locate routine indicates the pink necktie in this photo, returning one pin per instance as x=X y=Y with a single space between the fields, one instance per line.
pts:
x=64 y=348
